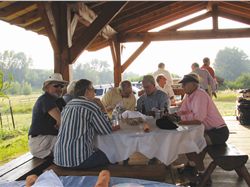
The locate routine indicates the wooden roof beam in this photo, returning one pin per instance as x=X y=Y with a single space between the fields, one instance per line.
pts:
x=110 y=10
x=234 y=17
x=87 y=16
x=185 y=35
x=188 y=22
x=234 y=9
x=46 y=13
x=138 y=51
x=27 y=19
x=17 y=9
x=164 y=17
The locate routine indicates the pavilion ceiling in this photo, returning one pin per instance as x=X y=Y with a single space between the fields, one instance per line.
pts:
x=131 y=23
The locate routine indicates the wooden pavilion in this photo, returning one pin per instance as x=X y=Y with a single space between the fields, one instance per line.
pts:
x=73 y=27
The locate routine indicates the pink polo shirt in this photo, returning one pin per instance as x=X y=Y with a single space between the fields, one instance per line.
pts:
x=199 y=106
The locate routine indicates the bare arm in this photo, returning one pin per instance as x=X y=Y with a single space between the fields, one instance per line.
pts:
x=56 y=114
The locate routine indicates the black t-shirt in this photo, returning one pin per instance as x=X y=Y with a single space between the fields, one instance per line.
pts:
x=42 y=123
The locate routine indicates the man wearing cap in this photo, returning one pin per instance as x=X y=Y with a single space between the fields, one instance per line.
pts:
x=46 y=117
x=198 y=108
x=162 y=85
x=152 y=97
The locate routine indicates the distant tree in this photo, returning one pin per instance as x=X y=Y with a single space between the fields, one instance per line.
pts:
x=5 y=84
x=230 y=63
x=26 y=88
x=15 y=88
x=15 y=63
x=242 y=82
x=97 y=71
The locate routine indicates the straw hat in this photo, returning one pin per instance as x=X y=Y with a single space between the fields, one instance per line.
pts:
x=57 y=78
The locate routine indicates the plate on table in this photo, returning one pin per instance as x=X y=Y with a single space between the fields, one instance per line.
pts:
x=128 y=185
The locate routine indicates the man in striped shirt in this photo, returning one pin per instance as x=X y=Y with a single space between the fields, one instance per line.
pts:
x=83 y=118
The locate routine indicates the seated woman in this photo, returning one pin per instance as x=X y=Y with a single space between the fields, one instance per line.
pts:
x=46 y=117
x=198 y=108
x=82 y=118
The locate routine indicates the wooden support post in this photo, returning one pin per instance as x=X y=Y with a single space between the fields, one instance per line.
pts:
x=62 y=58
x=215 y=17
x=116 y=55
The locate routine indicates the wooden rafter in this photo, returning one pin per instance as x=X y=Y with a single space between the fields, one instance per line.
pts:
x=185 y=35
x=234 y=10
x=17 y=9
x=136 y=9
x=162 y=16
x=138 y=51
x=109 y=12
x=234 y=17
x=48 y=27
x=27 y=19
x=87 y=16
x=188 y=22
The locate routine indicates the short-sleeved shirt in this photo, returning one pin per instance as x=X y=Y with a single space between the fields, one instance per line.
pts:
x=158 y=99
x=42 y=123
x=199 y=106
x=209 y=69
x=81 y=121
x=113 y=97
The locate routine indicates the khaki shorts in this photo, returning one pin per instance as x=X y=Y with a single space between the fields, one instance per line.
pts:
x=42 y=146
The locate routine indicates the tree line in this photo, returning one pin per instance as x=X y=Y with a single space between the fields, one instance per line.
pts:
x=231 y=64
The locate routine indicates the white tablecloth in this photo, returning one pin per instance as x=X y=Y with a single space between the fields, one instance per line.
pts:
x=165 y=145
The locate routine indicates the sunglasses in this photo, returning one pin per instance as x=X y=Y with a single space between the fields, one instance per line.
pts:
x=58 y=86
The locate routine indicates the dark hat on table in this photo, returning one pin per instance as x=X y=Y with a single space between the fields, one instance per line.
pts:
x=192 y=77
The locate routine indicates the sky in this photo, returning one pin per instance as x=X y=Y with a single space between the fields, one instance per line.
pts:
x=177 y=55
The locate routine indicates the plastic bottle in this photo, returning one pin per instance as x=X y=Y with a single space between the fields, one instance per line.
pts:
x=115 y=117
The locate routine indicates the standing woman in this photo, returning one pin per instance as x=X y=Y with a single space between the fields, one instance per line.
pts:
x=46 y=117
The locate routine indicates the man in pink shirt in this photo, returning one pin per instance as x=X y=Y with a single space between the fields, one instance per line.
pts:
x=198 y=108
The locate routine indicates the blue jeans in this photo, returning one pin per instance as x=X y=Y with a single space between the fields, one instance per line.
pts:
x=97 y=159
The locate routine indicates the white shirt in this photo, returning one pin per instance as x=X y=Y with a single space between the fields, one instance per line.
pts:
x=166 y=74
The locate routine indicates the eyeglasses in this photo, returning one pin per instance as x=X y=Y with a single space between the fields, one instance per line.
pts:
x=58 y=86
x=92 y=88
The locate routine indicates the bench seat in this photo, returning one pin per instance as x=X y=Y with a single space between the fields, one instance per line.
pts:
x=149 y=172
x=229 y=158
x=21 y=167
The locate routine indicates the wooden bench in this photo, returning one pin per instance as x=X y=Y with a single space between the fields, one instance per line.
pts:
x=228 y=158
x=149 y=172
x=21 y=167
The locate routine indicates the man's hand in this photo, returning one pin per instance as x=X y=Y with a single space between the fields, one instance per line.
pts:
x=214 y=94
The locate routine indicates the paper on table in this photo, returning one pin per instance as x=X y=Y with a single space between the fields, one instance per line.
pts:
x=133 y=114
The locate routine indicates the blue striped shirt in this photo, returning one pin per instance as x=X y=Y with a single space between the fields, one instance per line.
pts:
x=81 y=120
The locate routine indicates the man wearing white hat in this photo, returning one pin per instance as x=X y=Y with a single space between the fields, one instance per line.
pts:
x=46 y=117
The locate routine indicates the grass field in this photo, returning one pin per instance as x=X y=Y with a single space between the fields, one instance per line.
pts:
x=13 y=143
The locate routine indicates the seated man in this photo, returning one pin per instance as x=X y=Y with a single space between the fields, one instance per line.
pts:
x=122 y=94
x=82 y=118
x=162 y=85
x=70 y=91
x=152 y=98
x=46 y=117
x=198 y=108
